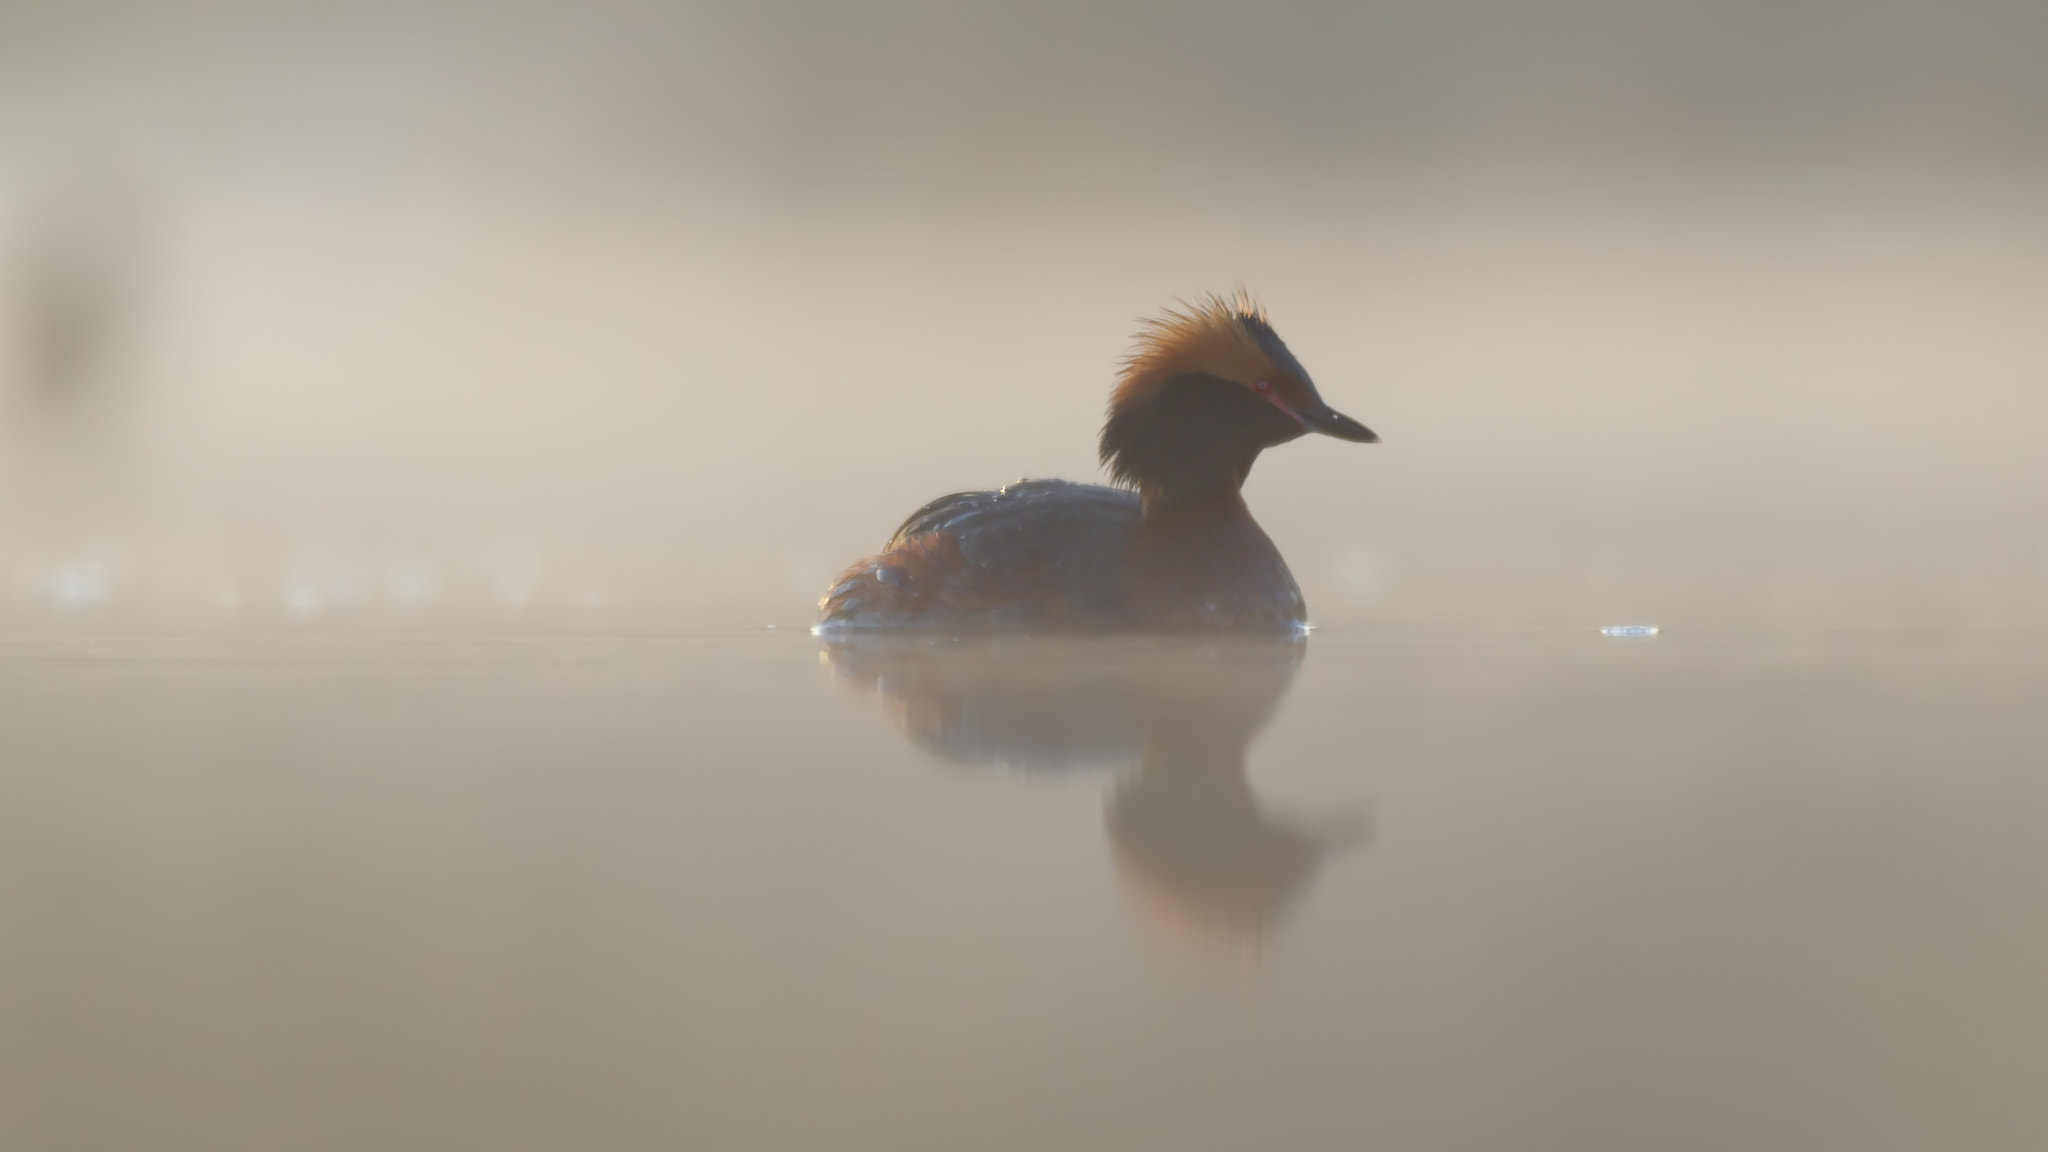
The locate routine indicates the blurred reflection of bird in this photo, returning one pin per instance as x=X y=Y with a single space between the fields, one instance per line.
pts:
x=1203 y=863
x=1208 y=387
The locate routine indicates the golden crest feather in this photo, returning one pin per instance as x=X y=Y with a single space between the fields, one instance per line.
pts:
x=1205 y=335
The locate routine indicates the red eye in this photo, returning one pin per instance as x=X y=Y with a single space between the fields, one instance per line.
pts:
x=1263 y=385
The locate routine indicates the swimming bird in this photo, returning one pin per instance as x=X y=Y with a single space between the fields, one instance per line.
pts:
x=1169 y=545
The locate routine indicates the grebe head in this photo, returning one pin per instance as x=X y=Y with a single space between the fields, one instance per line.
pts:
x=1208 y=386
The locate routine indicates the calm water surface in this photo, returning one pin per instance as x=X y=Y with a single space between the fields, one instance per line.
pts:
x=1409 y=890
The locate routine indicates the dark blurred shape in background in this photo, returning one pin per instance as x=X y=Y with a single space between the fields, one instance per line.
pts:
x=77 y=290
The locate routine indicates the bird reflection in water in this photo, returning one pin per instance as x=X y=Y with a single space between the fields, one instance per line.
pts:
x=1204 y=864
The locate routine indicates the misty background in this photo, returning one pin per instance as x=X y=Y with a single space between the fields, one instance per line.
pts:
x=388 y=314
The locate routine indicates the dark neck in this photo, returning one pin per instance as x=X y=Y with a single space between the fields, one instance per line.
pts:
x=1189 y=445
x=1209 y=503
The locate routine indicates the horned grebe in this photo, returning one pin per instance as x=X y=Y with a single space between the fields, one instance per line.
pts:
x=1172 y=545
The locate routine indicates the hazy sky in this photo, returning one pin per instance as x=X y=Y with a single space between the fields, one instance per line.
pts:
x=785 y=97
x=1656 y=305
